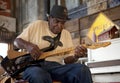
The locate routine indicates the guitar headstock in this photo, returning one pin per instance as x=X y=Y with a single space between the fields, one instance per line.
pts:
x=97 y=45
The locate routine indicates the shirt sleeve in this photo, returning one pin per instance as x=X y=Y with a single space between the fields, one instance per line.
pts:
x=25 y=35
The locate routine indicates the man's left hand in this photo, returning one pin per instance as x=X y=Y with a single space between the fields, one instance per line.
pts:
x=80 y=51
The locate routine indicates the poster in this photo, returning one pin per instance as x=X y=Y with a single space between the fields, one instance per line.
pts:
x=101 y=23
x=5 y=7
x=8 y=22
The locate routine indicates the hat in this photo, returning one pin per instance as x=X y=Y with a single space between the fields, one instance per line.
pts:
x=59 y=12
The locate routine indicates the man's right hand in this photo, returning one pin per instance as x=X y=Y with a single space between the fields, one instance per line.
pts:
x=33 y=50
x=30 y=47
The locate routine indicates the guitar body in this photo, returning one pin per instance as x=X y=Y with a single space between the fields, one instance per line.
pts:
x=17 y=62
x=15 y=66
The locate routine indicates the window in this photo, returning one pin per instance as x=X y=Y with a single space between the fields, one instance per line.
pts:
x=3 y=49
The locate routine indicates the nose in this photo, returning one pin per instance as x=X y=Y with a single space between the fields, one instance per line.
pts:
x=60 y=25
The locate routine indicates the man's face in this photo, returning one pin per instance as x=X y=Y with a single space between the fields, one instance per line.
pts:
x=56 y=25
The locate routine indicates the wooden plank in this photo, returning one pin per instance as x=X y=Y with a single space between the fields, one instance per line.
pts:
x=96 y=6
x=76 y=41
x=87 y=21
x=112 y=13
x=72 y=25
x=75 y=34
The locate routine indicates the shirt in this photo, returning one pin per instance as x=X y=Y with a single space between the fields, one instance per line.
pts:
x=36 y=30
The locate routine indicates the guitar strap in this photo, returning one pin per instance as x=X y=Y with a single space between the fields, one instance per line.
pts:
x=54 y=42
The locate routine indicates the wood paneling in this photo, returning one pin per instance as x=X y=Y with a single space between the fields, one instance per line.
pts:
x=72 y=25
x=96 y=6
x=113 y=14
x=76 y=41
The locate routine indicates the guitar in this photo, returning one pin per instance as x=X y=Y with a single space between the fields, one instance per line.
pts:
x=16 y=62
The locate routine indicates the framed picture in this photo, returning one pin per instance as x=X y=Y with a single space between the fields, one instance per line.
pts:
x=8 y=22
x=5 y=7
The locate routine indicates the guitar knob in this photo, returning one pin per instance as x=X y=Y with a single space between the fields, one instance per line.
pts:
x=8 y=68
x=18 y=67
x=11 y=72
x=13 y=68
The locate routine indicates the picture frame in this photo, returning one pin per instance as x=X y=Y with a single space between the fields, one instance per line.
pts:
x=5 y=7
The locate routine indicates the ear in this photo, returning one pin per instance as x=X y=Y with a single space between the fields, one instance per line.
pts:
x=48 y=18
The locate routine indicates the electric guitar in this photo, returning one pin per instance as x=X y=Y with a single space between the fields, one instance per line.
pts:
x=16 y=61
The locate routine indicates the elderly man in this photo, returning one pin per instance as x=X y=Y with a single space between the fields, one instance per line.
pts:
x=42 y=36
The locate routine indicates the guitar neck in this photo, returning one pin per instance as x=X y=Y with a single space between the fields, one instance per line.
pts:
x=14 y=54
x=52 y=53
x=97 y=45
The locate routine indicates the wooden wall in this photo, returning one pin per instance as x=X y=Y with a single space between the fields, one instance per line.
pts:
x=73 y=27
x=82 y=15
x=79 y=27
x=86 y=22
x=27 y=11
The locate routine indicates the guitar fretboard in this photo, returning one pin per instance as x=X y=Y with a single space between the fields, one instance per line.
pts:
x=14 y=54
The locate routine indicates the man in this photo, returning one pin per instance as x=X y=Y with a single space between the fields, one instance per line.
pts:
x=41 y=34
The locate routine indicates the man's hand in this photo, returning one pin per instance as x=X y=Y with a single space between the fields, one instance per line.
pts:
x=30 y=47
x=33 y=50
x=80 y=51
